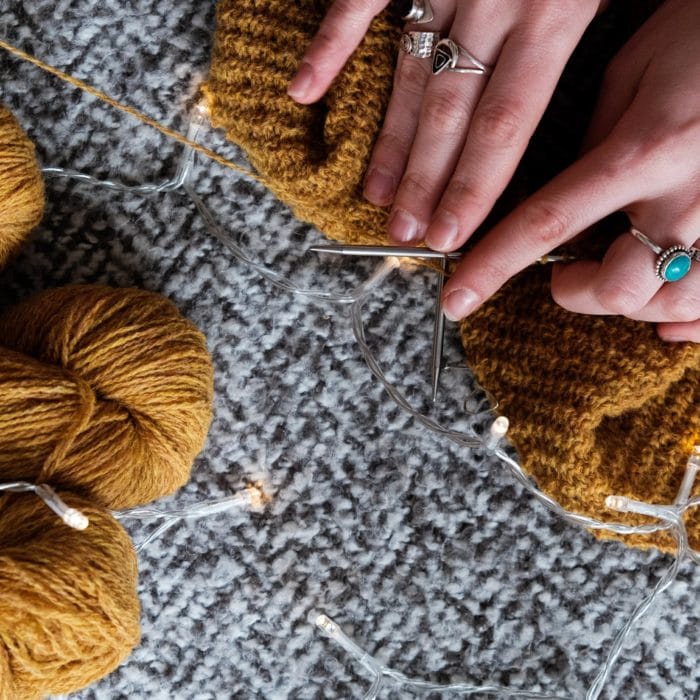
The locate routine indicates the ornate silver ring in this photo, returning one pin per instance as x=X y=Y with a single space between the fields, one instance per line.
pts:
x=419 y=44
x=446 y=57
x=416 y=11
x=672 y=264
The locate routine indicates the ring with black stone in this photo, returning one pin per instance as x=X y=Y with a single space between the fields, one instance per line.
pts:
x=446 y=58
x=416 y=11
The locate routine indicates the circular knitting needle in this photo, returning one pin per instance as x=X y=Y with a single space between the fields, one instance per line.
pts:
x=407 y=252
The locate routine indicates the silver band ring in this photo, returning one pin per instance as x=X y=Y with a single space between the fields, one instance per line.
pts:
x=446 y=57
x=672 y=264
x=419 y=44
x=416 y=11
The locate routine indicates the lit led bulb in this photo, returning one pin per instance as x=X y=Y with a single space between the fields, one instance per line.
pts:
x=618 y=503
x=497 y=432
x=256 y=496
x=201 y=109
x=326 y=625
x=75 y=519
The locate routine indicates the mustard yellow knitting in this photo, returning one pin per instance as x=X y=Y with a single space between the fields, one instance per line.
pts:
x=598 y=406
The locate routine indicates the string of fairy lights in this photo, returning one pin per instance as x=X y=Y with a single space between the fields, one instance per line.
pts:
x=668 y=517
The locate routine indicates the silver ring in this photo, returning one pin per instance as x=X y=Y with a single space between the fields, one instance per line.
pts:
x=416 y=11
x=672 y=264
x=446 y=56
x=419 y=44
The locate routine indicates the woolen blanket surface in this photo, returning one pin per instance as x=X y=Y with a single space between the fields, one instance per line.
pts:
x=427 y=554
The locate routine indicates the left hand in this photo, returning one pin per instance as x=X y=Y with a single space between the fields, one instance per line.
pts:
x=644 y=160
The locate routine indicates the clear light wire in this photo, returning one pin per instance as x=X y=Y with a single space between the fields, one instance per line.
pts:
x=70 y=516
x=197 y=120
x=668 y=517
x=380 y=671
x=374 y=367
x=253 y=497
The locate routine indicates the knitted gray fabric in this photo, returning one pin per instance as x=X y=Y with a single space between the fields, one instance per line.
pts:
x=427 y=554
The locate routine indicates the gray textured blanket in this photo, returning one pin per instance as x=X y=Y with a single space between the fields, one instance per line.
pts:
x=427 y=554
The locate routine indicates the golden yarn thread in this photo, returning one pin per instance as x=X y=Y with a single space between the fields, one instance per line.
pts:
x=69 y=611
x=104 y=392
x=21 y=186
x=166 y=131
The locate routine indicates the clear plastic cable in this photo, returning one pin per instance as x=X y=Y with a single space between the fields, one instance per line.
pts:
x=252 y=497
x=70 y=516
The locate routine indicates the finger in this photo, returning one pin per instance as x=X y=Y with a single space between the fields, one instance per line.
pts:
x=622 y=284
x=676 y=302
x=446 y=111
x=340 y=33
x=601 y=182
x=679 y=332
x=513 y=102
x=390 y=155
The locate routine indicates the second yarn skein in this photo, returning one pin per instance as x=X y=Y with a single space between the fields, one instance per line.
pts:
x=105 y=392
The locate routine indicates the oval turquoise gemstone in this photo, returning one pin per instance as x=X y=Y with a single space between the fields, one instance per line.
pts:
x=676 y=267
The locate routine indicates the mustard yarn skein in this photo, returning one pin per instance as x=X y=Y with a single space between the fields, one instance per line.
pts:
x=69 y=611
x=104 y=392
x=21 y=186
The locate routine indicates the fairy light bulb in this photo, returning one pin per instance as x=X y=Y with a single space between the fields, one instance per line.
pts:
x=201 y=110
x=70 y=516
x=618 y=503
x=497 y=431
x=75 y=519
x=691 y=472
x=257 y=496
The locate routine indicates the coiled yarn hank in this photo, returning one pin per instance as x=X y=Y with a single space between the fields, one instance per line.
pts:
x=104 y=392
x=69 y=612
x=21 y=186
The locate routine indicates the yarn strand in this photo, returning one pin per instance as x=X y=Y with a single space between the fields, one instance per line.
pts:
x=131 y=111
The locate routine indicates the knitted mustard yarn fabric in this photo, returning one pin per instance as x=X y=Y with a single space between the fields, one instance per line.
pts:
x=313 y=156
x=598 y=406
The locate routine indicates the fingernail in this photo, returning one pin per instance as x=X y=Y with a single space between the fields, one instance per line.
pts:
x=379 y=187
x=443 y=231
x=301 y=82
x=402 y=226
x=674 y=339
x=459 y=304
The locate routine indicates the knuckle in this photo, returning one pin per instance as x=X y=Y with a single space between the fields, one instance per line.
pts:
x=414 y=187
x=356 y=8
x=685 y=308
x=392 y=142
x=461 y=193
x=497 y=124
x=546 y=222
x=411 y=77
x=618 y=299
x=446 y=113
x=326 y=41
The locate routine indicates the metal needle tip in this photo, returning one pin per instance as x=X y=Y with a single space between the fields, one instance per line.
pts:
x=385 y=251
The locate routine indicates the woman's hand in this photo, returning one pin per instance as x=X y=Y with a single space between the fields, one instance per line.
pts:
x=644 y=158
x=451 y=142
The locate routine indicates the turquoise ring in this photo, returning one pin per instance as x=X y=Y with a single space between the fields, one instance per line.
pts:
x=672 y=264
